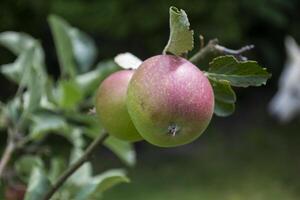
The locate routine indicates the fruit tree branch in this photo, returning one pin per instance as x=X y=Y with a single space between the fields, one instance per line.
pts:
x=214 y=47
x=73 y=168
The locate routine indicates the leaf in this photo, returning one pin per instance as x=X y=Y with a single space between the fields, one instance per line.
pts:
x=25 y=164
x=224 y=97
x=68 y=94
x=84 y=49
x=16 y=42
x=84 y=173
x=3 y=117
x=124 y=150
x=57 y=167
x=223 y=91
x=223 y=109
x=63 y=45
x=75 y=49
x=181 y=39
x=43 y=123
x=89 y=82
x=239 y=74
x=18 y=71
x=38 y=185
x=97 y=185
x=127 y=61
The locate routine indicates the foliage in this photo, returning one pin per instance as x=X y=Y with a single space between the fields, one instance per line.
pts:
x=42 y=106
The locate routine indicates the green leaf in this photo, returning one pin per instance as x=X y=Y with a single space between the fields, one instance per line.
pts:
x=16 y=42
x=124 y=150
x=224 y=97
x=89 y=82
x=57 y=167
x=38 y=185
x=68 y=94
x=3 y=117
x=84 y=49
x=223 y=109
x=97 y=185
x=46 y=122
x=25 y=164
x=75 y=49
x=238 y=73
x=18 y=71
x=181 y=39
x=63 y=44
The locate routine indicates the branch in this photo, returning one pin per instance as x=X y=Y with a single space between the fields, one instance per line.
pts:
x=214 y=47
x=75 y=166
x=9 y=149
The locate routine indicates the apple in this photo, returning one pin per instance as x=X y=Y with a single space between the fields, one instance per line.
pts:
x=170 y=101
x=111 y=106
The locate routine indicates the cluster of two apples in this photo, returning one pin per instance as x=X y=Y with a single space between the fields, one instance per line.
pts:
x=167 y=101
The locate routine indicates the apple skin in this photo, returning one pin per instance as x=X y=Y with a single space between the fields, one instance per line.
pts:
x=111 y=106
x=170 y=101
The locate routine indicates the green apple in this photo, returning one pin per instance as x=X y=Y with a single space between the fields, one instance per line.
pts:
x=111 y=106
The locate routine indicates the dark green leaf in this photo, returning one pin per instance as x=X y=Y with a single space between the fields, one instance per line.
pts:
x=223 y=109
x=239 y=74
x=97 y=185
x=124 y=150
x=224 y=97
x=181 y=38
x=38 y=185
x=223 y=91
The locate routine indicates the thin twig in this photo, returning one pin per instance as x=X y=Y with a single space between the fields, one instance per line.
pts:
x=9 y=149
x=214 y=47
x=75 y=166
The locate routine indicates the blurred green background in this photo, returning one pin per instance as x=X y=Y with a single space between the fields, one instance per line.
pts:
x=245 y=156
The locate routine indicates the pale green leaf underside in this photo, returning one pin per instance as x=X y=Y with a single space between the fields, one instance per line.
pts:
x=181 y=39
x=38 y=185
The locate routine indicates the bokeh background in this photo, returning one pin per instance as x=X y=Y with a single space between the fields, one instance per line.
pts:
x=248 y=155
